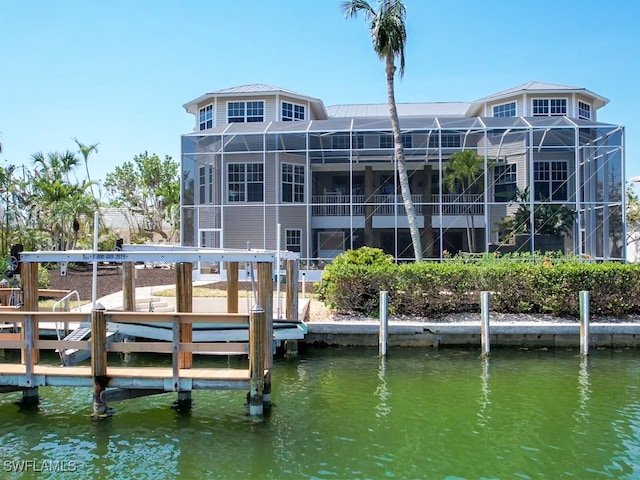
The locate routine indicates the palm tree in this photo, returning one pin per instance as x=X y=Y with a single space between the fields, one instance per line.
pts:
x=463 y=175
x=389 y=35
x=85 y=151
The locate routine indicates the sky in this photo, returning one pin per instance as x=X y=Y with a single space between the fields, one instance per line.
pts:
x=117 y=73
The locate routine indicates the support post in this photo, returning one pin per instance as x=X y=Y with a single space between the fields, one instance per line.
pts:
x=257 y=321
x=232 y=287
x=265 y=300
x=99 y=361
x=29 y=334
x=384 y=323
x=484 y=323
x=184 y=303
x=585 y=317
x=291 y=346
x=129 y=286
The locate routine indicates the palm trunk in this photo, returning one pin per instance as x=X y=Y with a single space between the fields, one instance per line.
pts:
x=403 y=177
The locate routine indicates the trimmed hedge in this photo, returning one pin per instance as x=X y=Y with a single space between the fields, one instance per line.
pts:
x=518 y=284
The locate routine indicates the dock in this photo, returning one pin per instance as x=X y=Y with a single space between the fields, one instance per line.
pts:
x=113 y=383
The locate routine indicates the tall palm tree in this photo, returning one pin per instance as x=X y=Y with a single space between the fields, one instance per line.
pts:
x=389 y=35
x=463 y=175
x=85 y=151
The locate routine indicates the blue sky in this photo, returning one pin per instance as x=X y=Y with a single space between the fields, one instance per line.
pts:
x=117 y=73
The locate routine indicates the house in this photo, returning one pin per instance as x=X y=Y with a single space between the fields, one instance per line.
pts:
x=262 y=157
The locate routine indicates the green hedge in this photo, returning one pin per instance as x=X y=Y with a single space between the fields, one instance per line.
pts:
x=518 y=284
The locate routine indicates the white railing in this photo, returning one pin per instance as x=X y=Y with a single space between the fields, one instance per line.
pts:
x=385 y=205
x=455 y=204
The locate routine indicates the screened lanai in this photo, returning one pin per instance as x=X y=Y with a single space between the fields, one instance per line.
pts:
x=523 y=184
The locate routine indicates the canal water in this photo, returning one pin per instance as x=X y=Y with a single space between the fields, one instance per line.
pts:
x=347 y=414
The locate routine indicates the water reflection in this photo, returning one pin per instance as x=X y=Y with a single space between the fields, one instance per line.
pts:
x=382 y=392
x=483 y=415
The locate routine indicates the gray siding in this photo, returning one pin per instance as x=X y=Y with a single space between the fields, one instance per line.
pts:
x=242 y=224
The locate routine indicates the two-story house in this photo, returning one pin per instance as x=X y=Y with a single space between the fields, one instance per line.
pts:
x=265 y=164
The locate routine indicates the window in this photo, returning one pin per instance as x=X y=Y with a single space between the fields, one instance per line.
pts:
x=292 y=183
x=449 y=140
x=584 y=110
x=505 y=182
x=206 y=184
x=505 y=110
x=551 y=180
x=245 y=182
x=292 y=112
x=341 y=142
x=240 y=112
x=545 y=107
x=205 y=120
x=386 y=141
x=293 y=239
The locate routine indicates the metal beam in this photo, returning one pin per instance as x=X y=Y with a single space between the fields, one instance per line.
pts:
x=117 y=394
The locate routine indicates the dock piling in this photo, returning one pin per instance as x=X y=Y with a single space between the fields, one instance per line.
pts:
x=585 y=316
x=384 y=323
x=184 y=303
x=99 y=361
x=232 y=287
x=484 y=323
x=265 y=299
x=257 y=321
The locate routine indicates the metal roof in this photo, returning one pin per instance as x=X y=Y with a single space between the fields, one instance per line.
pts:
x=426 y=109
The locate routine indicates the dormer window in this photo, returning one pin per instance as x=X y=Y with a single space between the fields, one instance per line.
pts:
x=205 y=117
x=544 y=107
x=292 y=112
x=240 y=112
x=584 y=111
x=505 y=110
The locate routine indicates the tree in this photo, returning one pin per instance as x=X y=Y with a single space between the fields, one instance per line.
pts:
x=463 y=175
x=389 y=35
x=548 y=218
x=150 y=188
x=633 y=218
x=86 y=151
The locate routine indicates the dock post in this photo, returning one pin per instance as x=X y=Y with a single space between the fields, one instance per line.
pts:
x=484 y=323
x=184 y=303
x=99 y=361
x=129 y=286
x=584 y=322
x=257 y=324
x=30 y=333
x=291 y=346
x=232 y=287
x=384 y=323
x=265 y=299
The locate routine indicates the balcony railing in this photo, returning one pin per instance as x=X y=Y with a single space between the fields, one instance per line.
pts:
x=385 y=205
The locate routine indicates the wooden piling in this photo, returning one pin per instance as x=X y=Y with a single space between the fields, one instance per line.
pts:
x=99 y=360
x=484 y=323
x=292 y=290
x=585 y=317
x=29 y=274
x=232 y=287
x=257 y=325
x=129 y=286
x=265 y=300
x=184 y=303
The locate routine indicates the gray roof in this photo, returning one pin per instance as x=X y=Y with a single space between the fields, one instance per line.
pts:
x=541 y=87
x=427 y=109
x=255 y=88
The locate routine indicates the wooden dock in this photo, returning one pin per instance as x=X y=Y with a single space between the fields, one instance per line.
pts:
x=112 y=383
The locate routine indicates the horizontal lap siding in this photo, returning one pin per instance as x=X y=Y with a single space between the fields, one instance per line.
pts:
x=293 y=217
x=242 y=224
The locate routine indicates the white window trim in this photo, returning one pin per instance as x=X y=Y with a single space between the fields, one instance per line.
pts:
x=204 y=107
x=286 y=236
x=493 y=108
x=549 y=99
x=264 y=108
x=294 y=104
x=245 y=183
x=590 y=110
x=293 y=183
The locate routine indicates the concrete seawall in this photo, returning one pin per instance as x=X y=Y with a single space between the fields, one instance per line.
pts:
x=507 y=334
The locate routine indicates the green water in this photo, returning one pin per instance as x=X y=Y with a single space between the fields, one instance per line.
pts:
x=345 y=414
